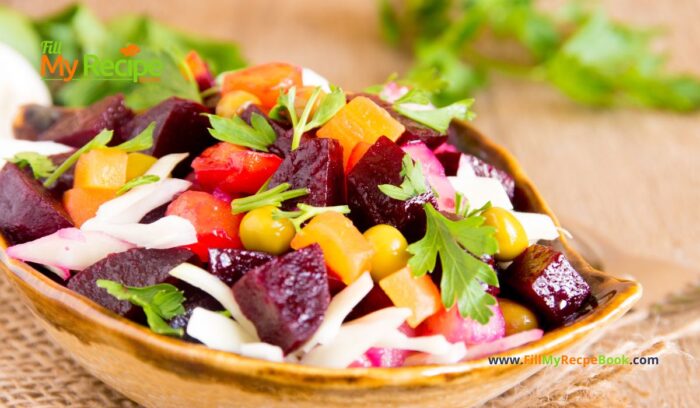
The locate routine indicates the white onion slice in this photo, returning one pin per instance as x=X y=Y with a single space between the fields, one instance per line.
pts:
x=480 y=190
x=356 y=337
x=168 y=232
x=166 y=164
x=263 y=351
x=309 y=77
x=465 y=171
x=216 y=331
x=456 y=353
x=69 y=248
x=132 y=206
x=537 y=226
x=10 y=147
x=503 y=344
x=340 y=307
x=217 y=289
x=436 y=344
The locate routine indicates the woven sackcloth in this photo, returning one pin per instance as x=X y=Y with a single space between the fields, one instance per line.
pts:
x=36 y=373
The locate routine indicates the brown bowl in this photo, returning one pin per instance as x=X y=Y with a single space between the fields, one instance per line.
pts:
x=158 y=371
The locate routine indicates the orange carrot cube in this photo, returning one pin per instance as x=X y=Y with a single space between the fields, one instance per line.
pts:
x=416 y=293
x=101 y=168
x=82 y=203
x=361 y=120
x=346 y=250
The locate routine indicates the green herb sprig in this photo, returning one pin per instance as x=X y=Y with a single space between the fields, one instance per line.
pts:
x=159 y=303
x=307 y=212
x=436 y=118
x=259 y=135
x=457 y=243
x=41 y=165
x=274 y=196
x=413 y=183
x=138 y=181
x=142 y=141
x=328 y=106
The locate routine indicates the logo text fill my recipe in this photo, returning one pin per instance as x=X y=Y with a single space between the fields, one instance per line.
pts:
x=54 y=66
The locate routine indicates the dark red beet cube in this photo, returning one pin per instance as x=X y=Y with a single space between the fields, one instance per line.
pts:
x=229 y=264
x=545 y=280
x=286 y=298
x=28 y=211
x=317 y=164
x=136 y=267
x=450 y=161
x=181 y=127
x=369 y=206
x=79 y=126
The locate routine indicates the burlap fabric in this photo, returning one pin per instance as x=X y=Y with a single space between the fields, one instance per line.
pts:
x=36 y=373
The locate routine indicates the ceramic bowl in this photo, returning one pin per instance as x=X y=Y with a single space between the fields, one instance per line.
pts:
x=158 y=371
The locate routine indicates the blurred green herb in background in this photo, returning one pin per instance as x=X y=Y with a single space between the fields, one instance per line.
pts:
x=81 y=32
x=582 y=53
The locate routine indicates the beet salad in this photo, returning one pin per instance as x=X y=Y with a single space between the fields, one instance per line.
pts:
x=284 y=219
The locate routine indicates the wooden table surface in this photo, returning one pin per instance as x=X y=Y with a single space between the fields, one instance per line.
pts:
x=633 y=175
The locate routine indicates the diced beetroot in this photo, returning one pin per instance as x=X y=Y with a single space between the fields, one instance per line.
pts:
x=286 y=298
x=234 y=169
x=216 y=226
x=180 y=128
x=450 y=162
x=414 y=130
x=27 y=210
x=81 y=125
x=483 y=169
x=230 y=265
x=381 y=357
x=135 y=267
x=375 y=300
x=544 y=280
x=381 y=164
x=434 y=173
x=317 y=164
x=32 y=120
x=456 y=328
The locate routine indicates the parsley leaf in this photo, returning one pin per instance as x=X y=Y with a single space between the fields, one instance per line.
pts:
x=274 y=196
x=138 y=181
x=159 y=302
x=235 y=130
x=437 y=118
x=462 y=274
x=307 y=212
x=41 y=165
x=413 y=184
x=142 y=141
x=101 y=140
x=328 y=106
